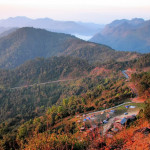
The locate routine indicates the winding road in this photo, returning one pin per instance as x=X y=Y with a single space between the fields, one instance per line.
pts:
x=124 y=73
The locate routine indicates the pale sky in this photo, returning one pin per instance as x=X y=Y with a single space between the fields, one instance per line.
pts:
x=98 y=11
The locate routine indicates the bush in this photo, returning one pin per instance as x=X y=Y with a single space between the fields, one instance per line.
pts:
x=90 y=108
x=147 y=110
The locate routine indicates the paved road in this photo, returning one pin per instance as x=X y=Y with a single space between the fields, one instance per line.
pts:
x=44 y=83
x=132 y=89
x=65 y=80
x=124 y=73
x=110 y=108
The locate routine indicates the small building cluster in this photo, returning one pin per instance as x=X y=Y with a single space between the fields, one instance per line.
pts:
x=107 y=120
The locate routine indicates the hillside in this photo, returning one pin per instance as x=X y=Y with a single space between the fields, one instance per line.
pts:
x=40 y=107
x=29 y=43
x=20 y=101
x=42 y=70
x=142 y=62
x=126 y=35
x=37 y=72
x=47 y=116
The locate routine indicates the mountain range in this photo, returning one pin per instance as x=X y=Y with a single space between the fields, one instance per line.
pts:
x=69 y=27
x=53 y=85
x=28 y=43
x=126 y=35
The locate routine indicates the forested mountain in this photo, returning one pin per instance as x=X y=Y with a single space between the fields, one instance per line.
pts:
x=36 y=72
x=69 y=27
x=28 y=43
x=27 y=101
x=83 y=94
x=126 y=35
x=138 y=63
x=43 y=70
x=31 y=111
x=142 y=62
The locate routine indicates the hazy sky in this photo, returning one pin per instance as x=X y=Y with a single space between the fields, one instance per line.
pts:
x=99 y=11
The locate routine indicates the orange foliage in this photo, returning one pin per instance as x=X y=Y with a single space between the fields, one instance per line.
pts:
x=131 y=138
x=45 y=141
x=99 y=70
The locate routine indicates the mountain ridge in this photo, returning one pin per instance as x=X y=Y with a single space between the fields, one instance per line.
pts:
x=69 y=27
x=28 y=43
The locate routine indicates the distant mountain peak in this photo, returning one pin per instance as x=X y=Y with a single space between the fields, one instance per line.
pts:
x=138 y=19
x=18 y=18
x=69 y=27
x=134 y=21
x=48 y=19
x=126 y=35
